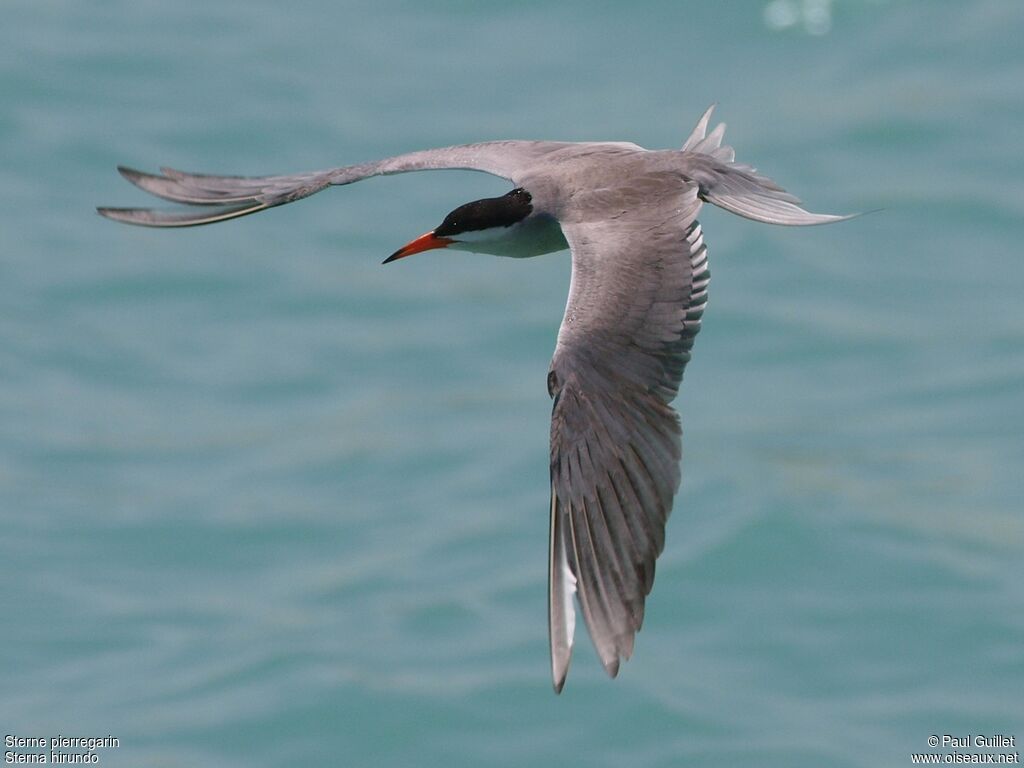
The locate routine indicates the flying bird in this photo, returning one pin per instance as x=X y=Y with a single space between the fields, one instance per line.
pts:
x=638 y=291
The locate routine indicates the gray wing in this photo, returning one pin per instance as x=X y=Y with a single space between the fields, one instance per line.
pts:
x=639 y=288
x=217 y=198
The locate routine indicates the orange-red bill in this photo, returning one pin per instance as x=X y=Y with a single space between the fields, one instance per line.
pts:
x=426 y=242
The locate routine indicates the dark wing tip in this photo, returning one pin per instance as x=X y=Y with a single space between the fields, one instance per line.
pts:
x=149 y=217
x=612 y=667
x=127 y=215
x=131 y=173
x=558 y=683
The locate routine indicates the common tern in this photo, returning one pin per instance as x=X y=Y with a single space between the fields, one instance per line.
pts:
x=638 y=291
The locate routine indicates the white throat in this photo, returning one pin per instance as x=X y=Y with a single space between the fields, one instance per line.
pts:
x=533 y=236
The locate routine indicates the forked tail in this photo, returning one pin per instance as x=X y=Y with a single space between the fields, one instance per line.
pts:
x=739 y=188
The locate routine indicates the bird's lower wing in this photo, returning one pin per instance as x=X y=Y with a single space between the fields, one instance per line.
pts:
x=639 y=287
x=209 y=199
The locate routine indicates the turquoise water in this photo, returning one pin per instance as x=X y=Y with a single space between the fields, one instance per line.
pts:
x=265 y=502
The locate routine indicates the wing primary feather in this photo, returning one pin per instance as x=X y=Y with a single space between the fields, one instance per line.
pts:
x=610 y=534
x=148 y=217
x=593 y=599
x=607 y=543
x=623 y=550
x=172 y=186
x=561 y=588
x=627 y=500
x=641 y=484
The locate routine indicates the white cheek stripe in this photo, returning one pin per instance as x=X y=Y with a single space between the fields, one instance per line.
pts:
x=483 y=235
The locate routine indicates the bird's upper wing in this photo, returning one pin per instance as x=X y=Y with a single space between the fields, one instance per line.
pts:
x=217 y=198
x=639 y=288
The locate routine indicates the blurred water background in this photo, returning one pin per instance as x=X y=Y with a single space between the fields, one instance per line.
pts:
x=266 y=502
